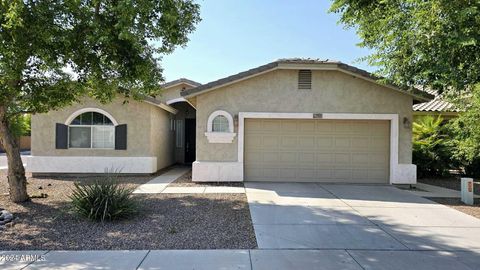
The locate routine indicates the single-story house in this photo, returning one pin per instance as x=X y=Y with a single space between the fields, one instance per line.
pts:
x=298 y=120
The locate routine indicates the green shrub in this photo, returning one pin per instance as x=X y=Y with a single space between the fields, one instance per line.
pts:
x=103 y=200
x=431 y=152
x=472 y=168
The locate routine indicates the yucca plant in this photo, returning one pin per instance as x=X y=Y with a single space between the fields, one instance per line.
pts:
x=103 y=200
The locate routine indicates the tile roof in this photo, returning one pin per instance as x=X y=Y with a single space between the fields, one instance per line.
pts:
x=436 y=105
x=418 y=94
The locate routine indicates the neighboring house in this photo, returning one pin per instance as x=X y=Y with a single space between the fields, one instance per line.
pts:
x=289 y=120
x=435 y=107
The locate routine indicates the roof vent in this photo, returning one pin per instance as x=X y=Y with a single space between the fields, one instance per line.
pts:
x=305 y=79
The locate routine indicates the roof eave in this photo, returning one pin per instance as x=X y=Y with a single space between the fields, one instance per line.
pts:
x=419 y=96
x=157 y=103
x=179 y=82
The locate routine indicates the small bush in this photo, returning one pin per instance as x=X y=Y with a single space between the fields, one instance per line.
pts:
x=103 y=200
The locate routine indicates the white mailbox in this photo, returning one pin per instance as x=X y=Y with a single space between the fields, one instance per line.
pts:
x=467 y=191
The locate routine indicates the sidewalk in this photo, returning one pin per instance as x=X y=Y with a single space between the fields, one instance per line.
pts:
x=425 y=190
x=159 y=183
x=256 y=259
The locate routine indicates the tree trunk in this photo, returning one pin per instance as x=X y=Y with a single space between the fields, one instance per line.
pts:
x=17 y=181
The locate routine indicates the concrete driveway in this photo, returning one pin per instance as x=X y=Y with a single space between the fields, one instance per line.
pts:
x=372 y=226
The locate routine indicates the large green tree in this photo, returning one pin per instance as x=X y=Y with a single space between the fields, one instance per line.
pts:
x=427 y=43
x=54 y=51
x=433 y=43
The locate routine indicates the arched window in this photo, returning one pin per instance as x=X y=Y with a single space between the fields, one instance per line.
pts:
x=220 y=124
x=91 y=130
x=220 y=127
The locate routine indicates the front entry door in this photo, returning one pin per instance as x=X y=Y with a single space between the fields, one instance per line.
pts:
x=190 y=140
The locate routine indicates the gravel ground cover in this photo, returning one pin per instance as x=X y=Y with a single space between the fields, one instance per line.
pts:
x=166 y=221
x=450 y=182
x=457 y=204
x=186 y=181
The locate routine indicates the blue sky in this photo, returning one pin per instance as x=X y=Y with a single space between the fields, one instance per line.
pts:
x=236 y=35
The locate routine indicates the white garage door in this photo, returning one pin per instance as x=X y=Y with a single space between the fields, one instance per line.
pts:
x=317 y=150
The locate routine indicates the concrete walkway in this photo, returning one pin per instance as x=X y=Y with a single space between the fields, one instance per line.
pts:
x=370 y=222
x=426 y=190
x=203 y=190
x=159 y=183
x=241 y=259
x=367 y=217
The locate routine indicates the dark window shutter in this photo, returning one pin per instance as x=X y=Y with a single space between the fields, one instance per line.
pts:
x=61 y=136
x=121 y=137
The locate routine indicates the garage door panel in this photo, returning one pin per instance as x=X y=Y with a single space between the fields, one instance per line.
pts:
x=271 y=157
x=360 y=143
x=361 y=128
x=378 y=174
x=254 y=157
x=342 y=174
x=325 y=159
x=317 y=150
x=308 y=158
x=288 y=157
x=289 y=142
x=254 y=126
x=342 y=142
x=326 y=174
x=378 y=129
x=289 y=127
x=378 y=144
x=378 y=159
x=255 y=142
x=324 y=142
x=272 y=125
x=306 y=142
x=306 y=173
x=361 y=174
x=342 y=127
x=306 y=126
x=360 y=159
x=342 y=159
x=324 y=127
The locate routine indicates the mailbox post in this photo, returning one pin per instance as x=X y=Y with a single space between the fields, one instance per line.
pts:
x=467 y=191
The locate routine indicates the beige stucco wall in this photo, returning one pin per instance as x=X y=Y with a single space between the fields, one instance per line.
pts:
x=147 y=131
x=173 y=92
x=162 y=137
x=276 y=91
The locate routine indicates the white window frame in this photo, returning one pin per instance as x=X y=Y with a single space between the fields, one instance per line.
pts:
x=220 y=137
x=86 y=110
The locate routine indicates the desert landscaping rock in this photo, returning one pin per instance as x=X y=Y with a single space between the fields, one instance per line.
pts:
x=166 y=221
x=5 y=217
